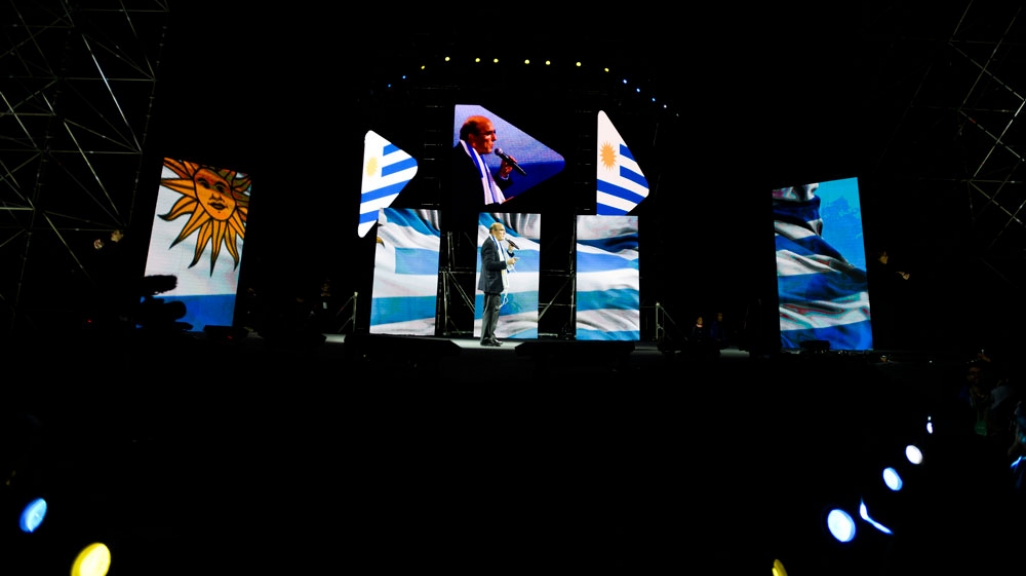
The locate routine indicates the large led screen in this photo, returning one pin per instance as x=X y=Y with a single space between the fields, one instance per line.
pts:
x=608 y=278
x=822 y=286
x=481 y=141
x=518 y=316
x=199 y=225
x=405 y=285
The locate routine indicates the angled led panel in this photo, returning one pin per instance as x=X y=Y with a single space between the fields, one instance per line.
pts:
x=620 y=185
x=387 y=169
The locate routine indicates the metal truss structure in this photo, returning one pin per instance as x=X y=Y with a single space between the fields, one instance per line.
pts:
x=75 y=101
x=955 y=131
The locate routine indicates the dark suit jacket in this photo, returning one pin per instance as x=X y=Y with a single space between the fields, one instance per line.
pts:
x=492 y=266
x=466 y=193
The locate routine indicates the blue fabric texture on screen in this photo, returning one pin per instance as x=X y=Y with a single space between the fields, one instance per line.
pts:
x=822 y=296
x=404 y=293
x=608 y=297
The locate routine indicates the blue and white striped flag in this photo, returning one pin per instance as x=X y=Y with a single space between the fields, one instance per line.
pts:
x=821 y=294
x=386 y=171
x=621 y=185
x=405 y=290
x=608 y=278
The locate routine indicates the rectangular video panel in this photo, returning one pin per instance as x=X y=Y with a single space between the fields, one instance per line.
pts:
x=405 y=285
x=608 y=292
x=483 y=142
x=199 y=225
x=822 y=286
x=518 y=316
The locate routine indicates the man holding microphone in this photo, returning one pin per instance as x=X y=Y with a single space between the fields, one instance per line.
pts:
x=495 y=264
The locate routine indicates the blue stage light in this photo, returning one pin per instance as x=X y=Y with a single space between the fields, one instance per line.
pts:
x=864 y=513
x=32 y=516
x=841 y=525
x=892 y=479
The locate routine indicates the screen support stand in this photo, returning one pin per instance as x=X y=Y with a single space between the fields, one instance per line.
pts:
x=352 y=315
x=450 y=283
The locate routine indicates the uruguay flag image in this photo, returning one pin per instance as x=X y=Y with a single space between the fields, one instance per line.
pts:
x=608 y=278
x=621 y=185
x=404 y=292
x=822 y=294
x=386 y=171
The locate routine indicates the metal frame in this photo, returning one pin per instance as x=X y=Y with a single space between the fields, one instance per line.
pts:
x=75 y=104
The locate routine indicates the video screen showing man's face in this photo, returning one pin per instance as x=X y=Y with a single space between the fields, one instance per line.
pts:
x=494 y=161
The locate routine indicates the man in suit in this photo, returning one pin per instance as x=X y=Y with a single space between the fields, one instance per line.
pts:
x=495 y=261
x=474 y=187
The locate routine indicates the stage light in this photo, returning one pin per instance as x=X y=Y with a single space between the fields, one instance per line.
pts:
x=495 y=61
x=913 y=454
x=624 y=81
x=32 y=516
x=548 y=62
x=578 y=64
x=606 y=70
x=422 y=67
x=93 y=560
x=446 y=58
x=653 y=99
x=841 y=525
x=892 y=479
x=527 y=61
x=477 y=59
x=637 y=90
x=864 y=513
x=929 y=424
x=778 y=568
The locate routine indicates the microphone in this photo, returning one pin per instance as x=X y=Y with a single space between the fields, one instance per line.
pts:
x=512 y=245
x=510 y=161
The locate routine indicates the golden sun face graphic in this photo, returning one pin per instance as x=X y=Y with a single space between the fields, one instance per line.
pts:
x=608 y=155
x=217 y=202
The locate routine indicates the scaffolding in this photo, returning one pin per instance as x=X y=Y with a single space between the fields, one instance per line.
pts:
x=76 y=95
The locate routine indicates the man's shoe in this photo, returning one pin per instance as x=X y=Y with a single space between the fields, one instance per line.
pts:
x=496 y=342
x=488 y=343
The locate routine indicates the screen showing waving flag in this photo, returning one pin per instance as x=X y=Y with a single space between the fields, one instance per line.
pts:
x=608 y=278
x=822 y=286
x=621 y=185
x=386 y=170
x=405 y=290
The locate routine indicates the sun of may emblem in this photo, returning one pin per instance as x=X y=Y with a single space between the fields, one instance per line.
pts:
x=217 y=203
x=608 y=155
